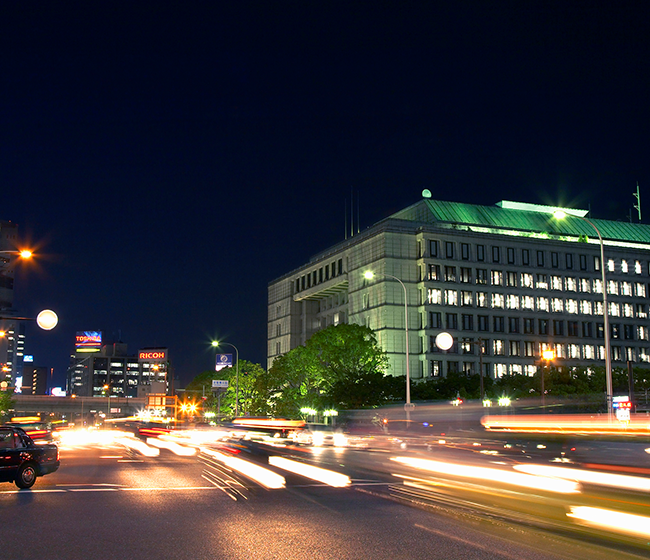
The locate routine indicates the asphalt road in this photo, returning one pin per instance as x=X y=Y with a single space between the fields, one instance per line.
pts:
x=110 y=502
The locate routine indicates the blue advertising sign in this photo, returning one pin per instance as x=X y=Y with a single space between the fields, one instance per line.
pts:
x=223 y=360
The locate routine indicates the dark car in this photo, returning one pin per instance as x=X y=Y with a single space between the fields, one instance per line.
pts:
x=21 y=460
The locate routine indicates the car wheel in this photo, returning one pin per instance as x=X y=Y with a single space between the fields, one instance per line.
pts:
x=26 y=476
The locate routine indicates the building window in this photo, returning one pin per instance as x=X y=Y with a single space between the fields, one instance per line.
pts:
x=498 y=324
x=512 y=301
x=529 y=349
x=452 y=321
x=449 y=249
x=628 y=310
x=642 y=332
x=480 y=253
x=572 y=306
x=481 y=299
x=569 y=261
x=572 y=328
x=434 y=272
x=468 y=322
x=543 y=326
x=611 y=265
x=511 y=255
x=497 y=278
x=436 y=368
x=433 y=248
x=570 y=284
x=434 y=297
x=585 y=307
x=637 y=267
x=435 y=321
x=525 y=257
x=451 y=297
x=498 y=301
x=499 y=348
x=529 y=325
x=514 y=348
x=496 y=254
x=641 y=311
x=481 y=276
x=615 y=329
x=557 y=305
x=278 y=348
x=513 y=324
x=612 y=287
x=542 y=304
x=450 y=274
x=639 y=289
x=483 y=323
x=464 y=251
x=624 y=267
x=527 y=280
x=626 y=288
x=278 y=330
x=467 y=299
x=556 y=283
x=511 y=279
x=466 y=275
x=555 y=262
x=628 y=332
x=587 y=329
x=558 y=328
x=600 y=330
x=583 y=262
x=541 y=282
x=540 y=258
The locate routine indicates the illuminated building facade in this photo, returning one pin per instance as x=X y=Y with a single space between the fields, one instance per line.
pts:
x=509 y=277
x=90 y=373
x=13 y=340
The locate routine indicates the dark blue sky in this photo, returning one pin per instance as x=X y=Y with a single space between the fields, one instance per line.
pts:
x=170 y=159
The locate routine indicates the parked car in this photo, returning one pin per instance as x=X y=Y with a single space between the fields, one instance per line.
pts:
x=21 y=460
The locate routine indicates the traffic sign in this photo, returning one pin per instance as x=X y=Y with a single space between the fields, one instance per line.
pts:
x=219 y=384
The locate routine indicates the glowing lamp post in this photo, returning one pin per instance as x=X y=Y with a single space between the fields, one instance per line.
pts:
x=408 y=406
x=560 y=215
x=548 y=356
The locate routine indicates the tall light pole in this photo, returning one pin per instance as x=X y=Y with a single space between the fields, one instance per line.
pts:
x=370 y=275
x=216 y=344
x=560 y=214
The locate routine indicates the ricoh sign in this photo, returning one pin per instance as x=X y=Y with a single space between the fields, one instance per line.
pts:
x=152 y=355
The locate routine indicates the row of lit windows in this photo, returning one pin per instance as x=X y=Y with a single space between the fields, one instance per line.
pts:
x=498 y=370
x=525 y=257
x=462 y=298
x=511 y=279
x=318 y=276
x=535 y=349
x=528 y=325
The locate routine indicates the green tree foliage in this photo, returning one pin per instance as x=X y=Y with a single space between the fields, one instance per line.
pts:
x=6 y=404
x=341 y=366
x=249 y=373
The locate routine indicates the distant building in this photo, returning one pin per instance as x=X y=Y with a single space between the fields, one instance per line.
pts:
x=509 y=277
x=34 y=380
x=111 y=370
x=13 y=341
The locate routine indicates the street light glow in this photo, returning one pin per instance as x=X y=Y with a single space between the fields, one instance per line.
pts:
x=26 y=254
x=47 y=319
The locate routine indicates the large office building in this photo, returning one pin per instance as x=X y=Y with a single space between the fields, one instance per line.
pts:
x=512 y=278
x=108 y=369
x=12 y=333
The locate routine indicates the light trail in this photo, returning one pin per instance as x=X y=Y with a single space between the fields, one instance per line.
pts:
x=265 y=477
x=325 y=476
x=580 y=475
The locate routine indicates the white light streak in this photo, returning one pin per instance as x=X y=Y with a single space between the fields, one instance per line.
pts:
x=325 y=476
x=556 y=485
x=265 y=477
x=608 y=520
x=580 y=475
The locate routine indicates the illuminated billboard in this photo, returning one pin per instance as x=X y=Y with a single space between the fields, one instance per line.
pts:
x=152 y=355
x=88 y=341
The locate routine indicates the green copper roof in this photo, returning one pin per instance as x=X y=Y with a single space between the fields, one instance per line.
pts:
x=430 y=211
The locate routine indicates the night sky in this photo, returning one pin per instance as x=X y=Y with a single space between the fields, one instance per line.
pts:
x=168 y=159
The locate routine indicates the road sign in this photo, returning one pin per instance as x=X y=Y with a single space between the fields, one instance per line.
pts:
x=219 y=384
x=223 y=360
x=409 y=406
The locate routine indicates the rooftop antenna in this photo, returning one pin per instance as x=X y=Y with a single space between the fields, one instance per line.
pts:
x=345 y=215
x=351 y=213
x=358 y=205
x=637 y=195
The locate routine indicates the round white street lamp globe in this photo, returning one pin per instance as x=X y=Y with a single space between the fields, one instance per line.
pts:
x=444 y=341
x=47 y=319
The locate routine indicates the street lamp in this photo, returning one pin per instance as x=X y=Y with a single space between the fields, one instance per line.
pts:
x=216 y=344
x=370 y=275
x=560 y=215
x=548 y=356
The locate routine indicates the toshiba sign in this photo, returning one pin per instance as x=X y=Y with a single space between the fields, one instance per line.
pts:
x=158 y=354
